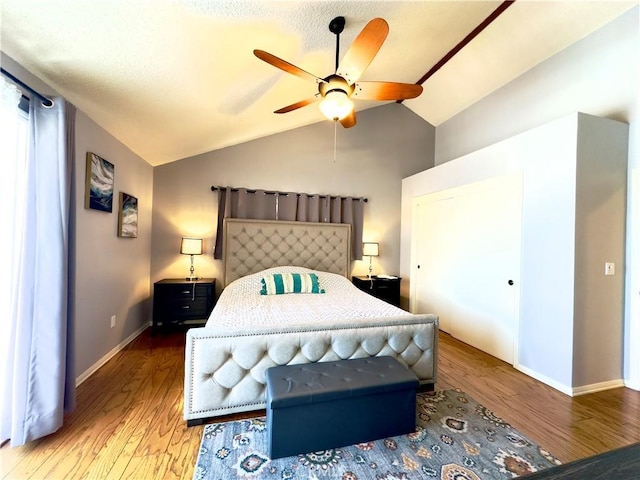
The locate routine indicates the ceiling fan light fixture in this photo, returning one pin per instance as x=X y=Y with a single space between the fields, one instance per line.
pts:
x=336 y=91
x=336 y=105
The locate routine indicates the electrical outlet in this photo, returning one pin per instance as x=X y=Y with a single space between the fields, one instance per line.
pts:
x=113 y=321
x=609 y=268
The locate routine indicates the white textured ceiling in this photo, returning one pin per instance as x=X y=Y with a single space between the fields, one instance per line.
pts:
x=175 y=78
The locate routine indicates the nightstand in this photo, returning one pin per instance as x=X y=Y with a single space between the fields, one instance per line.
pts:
x=387 y=289
x=177 y=301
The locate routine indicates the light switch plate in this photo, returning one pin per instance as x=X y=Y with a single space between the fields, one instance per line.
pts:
x=609 y=268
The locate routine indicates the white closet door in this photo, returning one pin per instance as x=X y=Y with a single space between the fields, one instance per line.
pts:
x=432 y=268
x=484 y=295
x=470 y=276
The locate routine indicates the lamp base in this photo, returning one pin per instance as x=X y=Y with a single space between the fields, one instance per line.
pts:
x=192 y=275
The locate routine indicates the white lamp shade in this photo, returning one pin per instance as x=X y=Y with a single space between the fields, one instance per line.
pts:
x=191 y=246
x=370 y=249
x=336 y=105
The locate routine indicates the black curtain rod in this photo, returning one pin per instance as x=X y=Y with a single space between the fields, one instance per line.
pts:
x=47 y=102
x=214 y=188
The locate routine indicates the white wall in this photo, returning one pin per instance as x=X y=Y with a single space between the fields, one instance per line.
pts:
x=598 y=75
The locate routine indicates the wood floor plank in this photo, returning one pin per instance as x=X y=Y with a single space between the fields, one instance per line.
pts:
x=163 y=411
x=146 y=466
x=114 y=454
x=131 y=438
x=128 y=423
x=10 y=458
x=183 y=449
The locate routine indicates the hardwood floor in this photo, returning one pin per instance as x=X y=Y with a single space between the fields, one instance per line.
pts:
x=128 y=423
x=570 y=428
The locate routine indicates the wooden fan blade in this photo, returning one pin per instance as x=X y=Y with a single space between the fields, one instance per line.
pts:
x=363 y=49
x=385 y=91
x=286 y=66
x=295 y=106
x=350 y=120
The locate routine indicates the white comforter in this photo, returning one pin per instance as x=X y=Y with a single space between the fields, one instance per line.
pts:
x=241 y=305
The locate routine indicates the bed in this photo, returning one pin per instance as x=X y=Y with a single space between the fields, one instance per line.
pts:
x=248 y=332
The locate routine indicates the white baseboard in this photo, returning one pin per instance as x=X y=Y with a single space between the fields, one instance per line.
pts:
x=597 y=387
x=552 y=383
x=573 y=391
x=93 y=368
x=632 y=385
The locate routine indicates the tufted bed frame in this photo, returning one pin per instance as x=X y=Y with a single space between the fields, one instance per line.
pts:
x=225 y=368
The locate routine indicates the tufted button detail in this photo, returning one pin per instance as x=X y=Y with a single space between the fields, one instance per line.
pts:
x=316 y=247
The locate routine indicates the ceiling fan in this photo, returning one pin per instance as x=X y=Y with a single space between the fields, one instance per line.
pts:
x=336 y=91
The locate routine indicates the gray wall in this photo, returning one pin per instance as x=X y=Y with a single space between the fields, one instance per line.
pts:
x=389 y=143
x=600 y=231
x=598 y=75
x=112 y=273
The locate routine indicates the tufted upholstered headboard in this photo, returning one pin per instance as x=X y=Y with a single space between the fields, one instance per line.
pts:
x=253 y=245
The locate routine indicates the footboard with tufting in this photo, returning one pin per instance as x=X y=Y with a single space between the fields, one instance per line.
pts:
x=225 y=369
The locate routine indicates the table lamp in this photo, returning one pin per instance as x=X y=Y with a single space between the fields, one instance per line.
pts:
x=191 y=246
x=370 y=249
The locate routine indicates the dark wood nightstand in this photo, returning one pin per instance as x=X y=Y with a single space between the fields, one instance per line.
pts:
x=176 y=301
x=387 y=289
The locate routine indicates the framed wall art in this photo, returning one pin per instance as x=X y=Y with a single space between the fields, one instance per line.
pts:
x=99 y=183
x=128 y=217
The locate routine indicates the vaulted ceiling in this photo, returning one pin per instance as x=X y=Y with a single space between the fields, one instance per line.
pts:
x=175 y=78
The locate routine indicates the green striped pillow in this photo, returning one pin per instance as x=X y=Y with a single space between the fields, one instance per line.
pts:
x=279 y=283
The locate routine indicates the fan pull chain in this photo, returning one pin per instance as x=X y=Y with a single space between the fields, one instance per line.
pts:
x=335 y=140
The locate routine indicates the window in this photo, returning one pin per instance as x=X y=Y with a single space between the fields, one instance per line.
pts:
x=14 y=124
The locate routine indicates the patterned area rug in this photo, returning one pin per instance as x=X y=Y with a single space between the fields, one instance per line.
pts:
x=456 y=439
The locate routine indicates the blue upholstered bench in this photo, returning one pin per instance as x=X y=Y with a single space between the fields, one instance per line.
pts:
x=318 y=406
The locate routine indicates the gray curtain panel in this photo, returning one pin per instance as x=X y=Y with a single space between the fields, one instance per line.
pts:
x=290 y=206
x=40 y=385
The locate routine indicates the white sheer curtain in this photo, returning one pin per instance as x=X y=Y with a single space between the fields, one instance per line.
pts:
x=37 y=368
